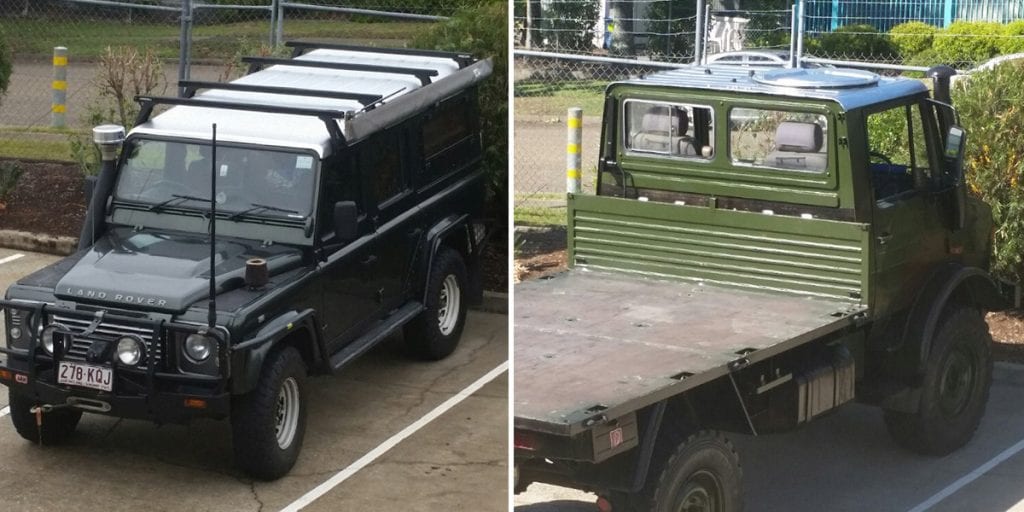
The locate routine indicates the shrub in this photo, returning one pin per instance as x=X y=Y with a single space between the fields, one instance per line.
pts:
x=1013 y=38
x=5 y=67
x=965 y=43
x=482 y=29
x=570 y=25
x=9 y=174
x=913 y=37
x=858 y=42
x=989 y=102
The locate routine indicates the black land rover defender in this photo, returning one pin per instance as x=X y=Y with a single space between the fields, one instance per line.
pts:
x=253 y=233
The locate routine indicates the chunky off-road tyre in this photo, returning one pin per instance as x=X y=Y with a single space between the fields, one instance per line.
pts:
x=435 y=332
x=702 y=475
x=957 y=378
x=269 y=423
x=58 y=424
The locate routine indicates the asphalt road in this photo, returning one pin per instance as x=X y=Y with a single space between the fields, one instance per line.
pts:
x=847 y=462
x=455 y=462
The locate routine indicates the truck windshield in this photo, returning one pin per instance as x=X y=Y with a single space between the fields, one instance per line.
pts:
x=176 y=174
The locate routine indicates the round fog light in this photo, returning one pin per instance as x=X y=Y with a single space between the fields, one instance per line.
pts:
x=15 y=333
x=48 y=338
x=198 y=347
x=129 y=350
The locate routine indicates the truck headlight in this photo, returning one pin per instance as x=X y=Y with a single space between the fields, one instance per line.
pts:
x=198 y=347
x=51 y=337
x=130 y=350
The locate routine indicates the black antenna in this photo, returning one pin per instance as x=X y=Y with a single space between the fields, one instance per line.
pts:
x=211 y=315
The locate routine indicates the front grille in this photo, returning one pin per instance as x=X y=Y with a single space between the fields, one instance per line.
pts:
x=107 y=331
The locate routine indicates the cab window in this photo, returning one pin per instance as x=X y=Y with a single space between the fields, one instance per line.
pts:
x=898 y=151
x=668 y=129
x=778 y=139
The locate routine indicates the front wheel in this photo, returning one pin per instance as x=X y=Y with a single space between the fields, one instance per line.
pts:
x=957 y=379
x=434 y=334
x=269 y=423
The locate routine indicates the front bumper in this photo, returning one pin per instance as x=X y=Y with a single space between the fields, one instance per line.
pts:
x=138 y=393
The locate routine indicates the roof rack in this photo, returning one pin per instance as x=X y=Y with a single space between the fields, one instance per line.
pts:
x=329 y=117
x=257 y=63
x=191 y=87
x=301 y=47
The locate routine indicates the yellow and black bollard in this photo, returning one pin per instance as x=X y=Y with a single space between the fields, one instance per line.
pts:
x=573 y=158
x=59 y=109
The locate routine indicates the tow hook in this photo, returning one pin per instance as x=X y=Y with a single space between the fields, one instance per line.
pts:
x=39 y=410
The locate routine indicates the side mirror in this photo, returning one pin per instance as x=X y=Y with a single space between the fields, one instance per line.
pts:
x=955 y=139
x=954 y=156
x=346 y=220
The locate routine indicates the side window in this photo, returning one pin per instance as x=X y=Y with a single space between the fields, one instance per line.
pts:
x=672 y=130
x=777 y=139
x=446 y=133
x=381 y=159
x=898 y=151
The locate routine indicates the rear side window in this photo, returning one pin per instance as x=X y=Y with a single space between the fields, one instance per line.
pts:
x=777 y=139
x=447 y=137
x=382 y=158
x=668 y=129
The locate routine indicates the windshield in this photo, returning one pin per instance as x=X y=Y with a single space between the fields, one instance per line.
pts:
x=177 y=174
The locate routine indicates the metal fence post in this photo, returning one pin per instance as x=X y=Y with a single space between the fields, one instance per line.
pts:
x=800 y=30
x=273 y=22
x=698 y=37
x=279 y=24
x=573 y=156
x=184 y=61
x=58 y=111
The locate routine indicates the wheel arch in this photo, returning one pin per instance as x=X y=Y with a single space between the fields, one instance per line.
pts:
x=454 y=232
x=292 y=328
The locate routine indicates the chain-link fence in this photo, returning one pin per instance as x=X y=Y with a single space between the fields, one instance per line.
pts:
x=206 y=46
x=569 y=50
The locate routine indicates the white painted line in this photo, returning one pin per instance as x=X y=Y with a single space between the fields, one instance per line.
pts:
x=5 y=411
x=11 y=258
x=393 y=441
x=969 y=477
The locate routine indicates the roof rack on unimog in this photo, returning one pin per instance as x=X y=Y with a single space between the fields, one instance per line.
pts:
x=763 y=246
x=253 y=233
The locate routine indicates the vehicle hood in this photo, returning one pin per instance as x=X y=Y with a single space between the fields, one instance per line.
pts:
x=163 y=271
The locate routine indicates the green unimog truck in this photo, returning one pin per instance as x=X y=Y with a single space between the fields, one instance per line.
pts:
x=762 y=247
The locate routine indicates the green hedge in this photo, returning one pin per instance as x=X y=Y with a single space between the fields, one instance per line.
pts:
x=967 y=43
x=913 y=37
x=858 y=42
x=990 y=103
x=1013 y=38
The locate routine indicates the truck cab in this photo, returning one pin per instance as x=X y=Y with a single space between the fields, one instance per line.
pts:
x=763 y=247
x=248 y=234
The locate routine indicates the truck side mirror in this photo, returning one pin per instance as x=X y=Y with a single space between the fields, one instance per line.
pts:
x=954 y=151
x=953 y=154
x=346 y=220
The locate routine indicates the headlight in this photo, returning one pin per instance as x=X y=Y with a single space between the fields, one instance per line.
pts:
x=129 y=350
x=50 y=337
x=198 y=347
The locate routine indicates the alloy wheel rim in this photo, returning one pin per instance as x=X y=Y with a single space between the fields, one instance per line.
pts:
x=287 y=417
x=956 y=383
x=449 y=304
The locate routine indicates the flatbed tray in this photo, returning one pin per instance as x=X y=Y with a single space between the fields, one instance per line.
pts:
x=590 y=343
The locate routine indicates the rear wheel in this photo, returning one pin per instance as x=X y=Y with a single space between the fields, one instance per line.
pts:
x=434 y=334
x=269 y=423
x=957 y=379
x=58 y=424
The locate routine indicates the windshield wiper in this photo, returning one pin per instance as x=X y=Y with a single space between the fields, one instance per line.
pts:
x=260 y=207
x=174 y=197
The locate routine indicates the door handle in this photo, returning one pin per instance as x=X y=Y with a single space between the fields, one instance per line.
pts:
x=369 y=260
x=884 y=238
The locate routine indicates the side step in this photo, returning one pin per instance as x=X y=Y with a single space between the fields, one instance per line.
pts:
x=375 y=335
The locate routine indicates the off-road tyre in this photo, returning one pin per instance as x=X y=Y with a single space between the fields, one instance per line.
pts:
x=703 y=474
x=957 y=378
x=434 y=334
x=268 y=424
x=58 y=425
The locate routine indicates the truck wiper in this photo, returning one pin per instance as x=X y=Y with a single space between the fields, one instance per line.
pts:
x=260 y=207
x=174 y=197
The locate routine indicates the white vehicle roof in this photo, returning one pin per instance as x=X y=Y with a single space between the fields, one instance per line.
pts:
x=306 y=131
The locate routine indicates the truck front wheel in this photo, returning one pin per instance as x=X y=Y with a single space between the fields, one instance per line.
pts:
x=703 y=475
x=434 y=334
x=956 y=383
x=269 y=423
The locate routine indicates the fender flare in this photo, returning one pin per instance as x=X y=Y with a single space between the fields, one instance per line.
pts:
x=250 y=354
x=435 y=236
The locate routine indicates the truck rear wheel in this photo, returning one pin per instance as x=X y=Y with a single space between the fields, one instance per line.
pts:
x=434 y=334
x=58 y=424
x=703 y=475
x=957 y=379
x=269 y=423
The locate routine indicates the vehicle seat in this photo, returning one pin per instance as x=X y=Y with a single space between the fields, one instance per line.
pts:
x=798 y=146
x=656 y=133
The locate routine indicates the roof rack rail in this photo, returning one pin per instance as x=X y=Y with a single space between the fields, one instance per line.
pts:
x=329 y=117
x=191 y=87
x=257 y=63
x=301 y=47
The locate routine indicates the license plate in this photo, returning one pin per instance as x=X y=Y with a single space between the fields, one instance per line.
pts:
x=86 y=376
